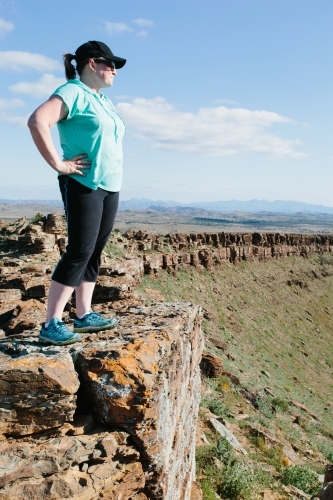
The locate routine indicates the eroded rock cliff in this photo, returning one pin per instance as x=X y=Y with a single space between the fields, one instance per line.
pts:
x=137 y=389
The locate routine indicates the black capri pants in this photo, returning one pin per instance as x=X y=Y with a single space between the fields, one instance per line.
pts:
x=90 y=216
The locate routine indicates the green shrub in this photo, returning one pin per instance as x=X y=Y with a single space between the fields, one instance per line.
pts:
x=302 y=477
x=280 y=403
x=36 y=218
x=215 y=405
x=223 y=384
x=324 y=260
x=207 y=490
x=224 y=450
x=264 y=405
x=204 y=456
x=114 y=250
x=239 y=479
x=327 y=450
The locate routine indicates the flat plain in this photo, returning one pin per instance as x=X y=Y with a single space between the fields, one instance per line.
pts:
x=165 y=220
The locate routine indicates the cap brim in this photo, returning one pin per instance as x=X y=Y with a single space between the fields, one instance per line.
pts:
x=120 y=62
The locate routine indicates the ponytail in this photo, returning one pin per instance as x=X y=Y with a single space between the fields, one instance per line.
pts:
x=70 y=70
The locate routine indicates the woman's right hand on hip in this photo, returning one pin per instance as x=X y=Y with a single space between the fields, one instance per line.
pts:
x=74 y=165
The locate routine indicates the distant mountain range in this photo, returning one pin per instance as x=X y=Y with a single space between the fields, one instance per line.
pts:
x=278 y=206
x=54 y=203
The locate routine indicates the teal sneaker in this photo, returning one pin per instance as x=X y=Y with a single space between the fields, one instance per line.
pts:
x=57 y=333
x=94 y=322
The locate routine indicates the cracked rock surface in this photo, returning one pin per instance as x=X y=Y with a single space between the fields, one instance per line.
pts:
x=111 y=417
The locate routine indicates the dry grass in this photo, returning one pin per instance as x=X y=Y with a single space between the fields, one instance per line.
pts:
x=279 y=340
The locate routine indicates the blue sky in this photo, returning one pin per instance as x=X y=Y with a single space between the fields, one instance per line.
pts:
x=223 y=99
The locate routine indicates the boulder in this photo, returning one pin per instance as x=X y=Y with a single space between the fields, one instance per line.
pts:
x=219 y=344
x=8 y=300
x=28 y=315
x=131 y=267
x=153 y=263
x=113 y=288
x=328 y=473
x=326 y=493
x=44 y=243
x=99 y=465
x=37 y=287
x=55 y=224
x=211 y=365
x=38 y=387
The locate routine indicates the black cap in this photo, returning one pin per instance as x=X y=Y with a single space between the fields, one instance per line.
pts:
x=93 y=49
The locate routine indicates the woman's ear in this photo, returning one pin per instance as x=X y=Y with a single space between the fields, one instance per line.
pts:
x=91 y=64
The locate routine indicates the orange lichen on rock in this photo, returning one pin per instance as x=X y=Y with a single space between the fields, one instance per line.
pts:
x=140 y=386
x=143 y=378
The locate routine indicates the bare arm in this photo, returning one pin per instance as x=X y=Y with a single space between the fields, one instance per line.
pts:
x=40 y=123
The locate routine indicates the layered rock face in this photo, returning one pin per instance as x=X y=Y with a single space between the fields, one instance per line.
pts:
x=111 y=417
x=174 y=250
x=149 y=384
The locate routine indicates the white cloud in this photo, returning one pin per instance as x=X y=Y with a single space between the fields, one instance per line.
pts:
x=20 y=121
x=216 y=131
x=6 y=107
x=142 y=34
x=6 y=104
x=41 y=88
x=114 y=29
x=123 y=97
x=17 y=61
x=5 y=27
x=144 y=23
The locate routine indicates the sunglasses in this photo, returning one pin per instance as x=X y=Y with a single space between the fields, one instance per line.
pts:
x=109 y=64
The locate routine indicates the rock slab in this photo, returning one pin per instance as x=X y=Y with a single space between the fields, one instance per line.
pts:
x=99 y=465
x=37 y=389
x=147 y=382
x=141 y=381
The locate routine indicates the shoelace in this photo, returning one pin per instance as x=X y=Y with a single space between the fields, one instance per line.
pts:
x=93 y=316
x=61 y=327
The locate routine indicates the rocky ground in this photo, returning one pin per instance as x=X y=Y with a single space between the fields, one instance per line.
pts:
x=115 y=415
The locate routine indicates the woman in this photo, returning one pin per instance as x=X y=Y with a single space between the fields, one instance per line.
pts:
x=90 y=177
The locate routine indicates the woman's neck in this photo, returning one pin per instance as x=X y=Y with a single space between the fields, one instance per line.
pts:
x=90 y=81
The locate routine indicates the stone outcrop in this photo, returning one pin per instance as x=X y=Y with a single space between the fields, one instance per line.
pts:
x=149 y=384
x=174 y=251
x=8 y=300
x=99 y=464
x=28 y=315
x=141 y=383
x=326 y=493
x=24 y=288
x=328 y=474
x=37 y=389
x=212 y=367
x=208 y=250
